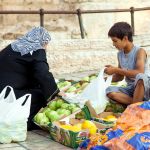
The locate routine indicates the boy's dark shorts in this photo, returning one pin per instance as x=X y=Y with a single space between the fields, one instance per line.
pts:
x=129 y=89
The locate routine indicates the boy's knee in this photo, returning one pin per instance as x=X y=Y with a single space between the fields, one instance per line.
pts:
x=111 y=95
x=140 y=78
x=140 y=82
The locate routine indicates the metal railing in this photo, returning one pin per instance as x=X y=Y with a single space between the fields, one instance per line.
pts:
x=79 y=13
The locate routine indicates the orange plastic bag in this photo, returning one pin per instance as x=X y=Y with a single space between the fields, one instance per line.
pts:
x=135 y=125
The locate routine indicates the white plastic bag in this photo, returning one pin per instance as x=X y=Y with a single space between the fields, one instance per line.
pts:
x=6 y=102
x=75 y=98
x=96 y=92
x=13 y=131
x=9 y=98
x=20 y=110
x=14 y=115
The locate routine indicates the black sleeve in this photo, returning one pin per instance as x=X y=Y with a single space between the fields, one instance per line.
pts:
x=41 y=73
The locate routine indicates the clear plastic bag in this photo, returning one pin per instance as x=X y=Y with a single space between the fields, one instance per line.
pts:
x=96 y=92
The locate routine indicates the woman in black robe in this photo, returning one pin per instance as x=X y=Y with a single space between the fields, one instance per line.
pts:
x=23 y=66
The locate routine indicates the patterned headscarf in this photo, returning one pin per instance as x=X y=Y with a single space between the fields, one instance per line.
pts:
x=31 y=41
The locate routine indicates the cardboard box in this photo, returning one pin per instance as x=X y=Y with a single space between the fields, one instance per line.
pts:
x=46 y=126
x=100 y=117
x=67 y=137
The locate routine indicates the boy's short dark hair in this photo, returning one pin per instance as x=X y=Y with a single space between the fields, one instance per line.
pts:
x=121 y=29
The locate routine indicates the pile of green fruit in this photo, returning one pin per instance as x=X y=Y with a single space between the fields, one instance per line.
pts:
x=89 y=78
x=63 y=84
x=114 y=107
x=54 y=111
x=79 y=86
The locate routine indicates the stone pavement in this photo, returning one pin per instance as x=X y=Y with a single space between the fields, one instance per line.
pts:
x=39 y=139
x=36 y=140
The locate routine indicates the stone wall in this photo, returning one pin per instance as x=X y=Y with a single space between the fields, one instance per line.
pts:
x=67 y=53
x=66 y=26
x=69 y=56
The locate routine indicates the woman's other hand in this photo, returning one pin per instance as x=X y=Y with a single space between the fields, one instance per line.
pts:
x=62 y=93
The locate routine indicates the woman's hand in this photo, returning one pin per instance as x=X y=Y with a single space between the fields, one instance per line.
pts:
x=62 y=93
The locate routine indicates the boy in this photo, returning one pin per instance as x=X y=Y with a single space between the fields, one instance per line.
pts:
x=132 y=64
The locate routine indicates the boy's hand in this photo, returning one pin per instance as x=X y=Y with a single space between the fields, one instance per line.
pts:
x=110 y=69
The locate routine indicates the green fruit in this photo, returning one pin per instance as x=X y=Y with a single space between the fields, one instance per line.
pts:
x=67 y=112
x=39 y=117
x=65 y=106
x=58 y=110
x=66 y=83
x=75 y=109
x=52 y=105
x=77 y=85
x=50 y=113
x=47 y=112
x=44 y=121
x=61 y=111
x=53 y=116
x=46 y=109
x=71 y=89
x=59 y=102
x=63 y=84
x=92 y=77
x=71 y=106
x=86 y=79
x=85 y=84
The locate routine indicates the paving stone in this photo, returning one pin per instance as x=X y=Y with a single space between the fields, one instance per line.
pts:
x=35 y=138
x=11 y=145
x=43 y=145
x=13 y=148
x=39 y=140
x=42 y=133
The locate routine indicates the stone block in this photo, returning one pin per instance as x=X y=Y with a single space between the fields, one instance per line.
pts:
x=48 y=1
x=8 y=19
x=12 y=2
x=71 y=1
x=69 y=56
